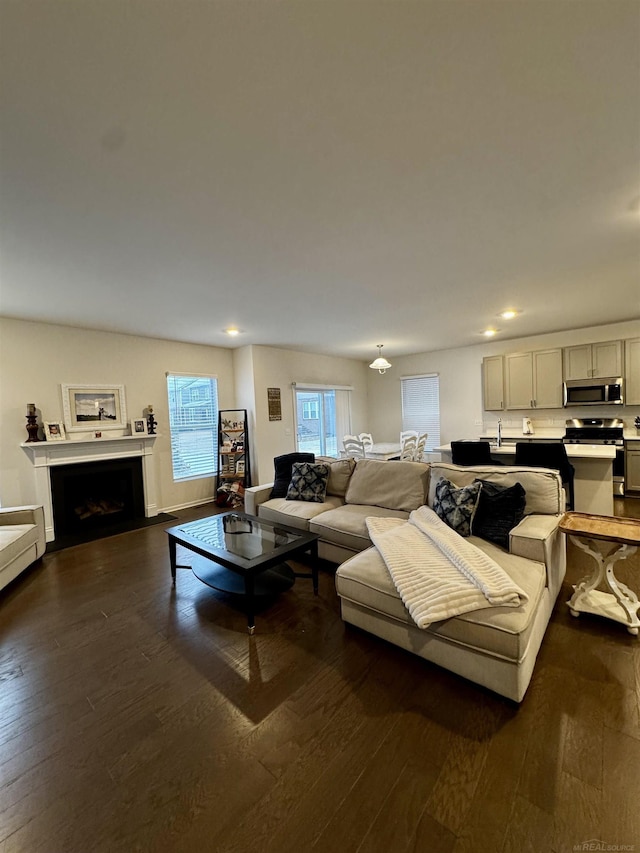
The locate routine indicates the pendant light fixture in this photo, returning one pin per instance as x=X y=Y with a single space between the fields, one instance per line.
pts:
x=380 y=364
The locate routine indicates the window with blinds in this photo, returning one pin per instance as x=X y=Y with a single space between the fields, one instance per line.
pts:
x=193 y=423
x=421 y=406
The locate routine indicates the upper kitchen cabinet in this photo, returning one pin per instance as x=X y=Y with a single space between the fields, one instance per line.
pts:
x=534 y=379
x=590 y=361
x=493 y=383
x=632 y=372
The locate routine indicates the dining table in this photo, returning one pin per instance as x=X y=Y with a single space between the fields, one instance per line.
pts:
x=383 y=450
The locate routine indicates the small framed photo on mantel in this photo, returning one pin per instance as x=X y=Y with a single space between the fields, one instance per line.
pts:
x=54 y=431
x=139 y=426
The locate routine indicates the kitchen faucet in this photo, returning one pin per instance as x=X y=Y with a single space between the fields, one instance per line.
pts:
x=499 y=434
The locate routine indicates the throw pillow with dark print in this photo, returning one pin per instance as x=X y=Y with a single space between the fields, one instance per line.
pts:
x=456 y=507
x=308 y=482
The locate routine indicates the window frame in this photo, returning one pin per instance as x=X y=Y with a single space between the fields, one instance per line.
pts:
x=185 y=420
x=341 y=408
x=313 y=410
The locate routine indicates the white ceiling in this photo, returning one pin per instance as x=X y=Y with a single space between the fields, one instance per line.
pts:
x=327 y=176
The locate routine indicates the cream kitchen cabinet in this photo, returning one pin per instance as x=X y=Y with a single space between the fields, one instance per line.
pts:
x=493 y=383
x=632 y=372
x=590 y=361
x=534 y=379
x=631 y=466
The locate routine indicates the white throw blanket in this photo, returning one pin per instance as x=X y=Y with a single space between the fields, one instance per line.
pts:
x=438 y=573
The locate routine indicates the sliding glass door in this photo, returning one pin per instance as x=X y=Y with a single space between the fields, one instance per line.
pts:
x=322 y=418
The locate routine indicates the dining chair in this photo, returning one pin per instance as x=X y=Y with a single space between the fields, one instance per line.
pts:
x=353 y=447
x=552 y=455
x=367 y=439
x=408 y=447
x=422 y=441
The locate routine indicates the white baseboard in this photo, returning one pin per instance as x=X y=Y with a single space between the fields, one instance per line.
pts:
x=187 y=505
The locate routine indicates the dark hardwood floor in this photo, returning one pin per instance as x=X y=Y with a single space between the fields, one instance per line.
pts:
x=135 y=717
x=627 y=507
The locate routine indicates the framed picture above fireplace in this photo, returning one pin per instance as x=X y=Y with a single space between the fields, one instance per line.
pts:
x=87 y=407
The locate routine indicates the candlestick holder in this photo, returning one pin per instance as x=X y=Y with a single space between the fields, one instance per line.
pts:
x=152 y=423
x=32 y=428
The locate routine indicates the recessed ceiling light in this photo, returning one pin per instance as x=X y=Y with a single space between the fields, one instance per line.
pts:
x=232 y=332
x=489 y=333
x=509 y=314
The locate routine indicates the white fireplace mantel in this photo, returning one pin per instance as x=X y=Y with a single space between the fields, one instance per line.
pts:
x=47 y=454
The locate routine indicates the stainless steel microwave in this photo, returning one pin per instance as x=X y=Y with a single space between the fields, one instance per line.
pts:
x=594 y=392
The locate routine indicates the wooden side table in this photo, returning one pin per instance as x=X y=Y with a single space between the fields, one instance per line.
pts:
x=607 y=540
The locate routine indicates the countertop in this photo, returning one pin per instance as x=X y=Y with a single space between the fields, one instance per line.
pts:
x=578 y=451
x=517 y=434
x=628 y=434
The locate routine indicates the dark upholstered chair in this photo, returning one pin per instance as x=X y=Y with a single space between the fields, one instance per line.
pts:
x=471 y=453
x=537 y=454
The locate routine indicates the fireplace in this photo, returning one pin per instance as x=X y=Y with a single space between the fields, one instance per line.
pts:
x=48 y=456
x=91 y=496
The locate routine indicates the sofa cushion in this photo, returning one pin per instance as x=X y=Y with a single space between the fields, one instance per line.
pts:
x=543 y=487
x=283 y=466
x=308 y=482
x=15 y=539
x=296 y=513
x=500 y=631
x=499 y=510
x=347 y=526
x=456 y=507
x=395 y=485
x=340 y=471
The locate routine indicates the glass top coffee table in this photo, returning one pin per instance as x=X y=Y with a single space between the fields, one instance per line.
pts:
x=244 y=555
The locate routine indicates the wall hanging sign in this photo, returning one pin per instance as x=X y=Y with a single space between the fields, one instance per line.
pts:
x=275 y=404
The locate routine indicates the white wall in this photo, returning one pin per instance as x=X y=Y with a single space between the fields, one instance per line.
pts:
x=245 y=399
x=278 y=368
x=460 y=371
x=35 y=358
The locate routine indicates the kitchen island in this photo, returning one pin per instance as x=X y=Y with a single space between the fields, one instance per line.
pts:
x=593 y=480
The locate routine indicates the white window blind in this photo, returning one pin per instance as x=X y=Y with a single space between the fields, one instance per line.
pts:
x=421 y=406
x=193 y=423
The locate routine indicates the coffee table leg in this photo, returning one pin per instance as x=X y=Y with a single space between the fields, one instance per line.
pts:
x=314 y=566
x=172 y=559
x=249 y=594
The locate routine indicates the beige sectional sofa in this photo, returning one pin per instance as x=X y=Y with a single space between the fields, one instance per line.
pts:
x=354 y=491
x=495 y=646
x=22 y=540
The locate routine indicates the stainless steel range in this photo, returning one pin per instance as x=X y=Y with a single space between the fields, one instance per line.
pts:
x=600 y=431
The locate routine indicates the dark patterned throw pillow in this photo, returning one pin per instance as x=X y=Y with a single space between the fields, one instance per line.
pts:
x=308 y=482
x=500 y=508
x=456 y=507
x=283 y=467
